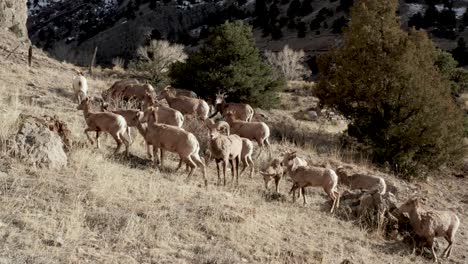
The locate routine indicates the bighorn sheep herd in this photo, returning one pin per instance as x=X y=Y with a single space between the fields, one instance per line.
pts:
x=229 y=143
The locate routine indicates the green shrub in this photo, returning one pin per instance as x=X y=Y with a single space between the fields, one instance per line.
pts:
x=384 y=81
x=230 y=62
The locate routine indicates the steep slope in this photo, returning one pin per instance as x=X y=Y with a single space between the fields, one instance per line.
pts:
x=106 y=209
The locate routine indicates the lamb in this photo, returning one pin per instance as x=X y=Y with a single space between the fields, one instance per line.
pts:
x=274 y=172
x=362 y=181
x=224 y=148
x=186 y=105
x=304 y=176
x=105 y=122
x=173 y=139
x=296 y=160
x=243 y=112
x=80 y=87
x=431 y=224
x=255 y=131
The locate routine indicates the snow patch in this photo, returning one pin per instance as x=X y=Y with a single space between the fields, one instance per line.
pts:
x=458 y=11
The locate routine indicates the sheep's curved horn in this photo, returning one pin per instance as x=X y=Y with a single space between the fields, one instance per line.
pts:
x=220 y=125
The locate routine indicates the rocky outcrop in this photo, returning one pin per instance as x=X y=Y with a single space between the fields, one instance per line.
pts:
x=13 y=16
x=39 y=143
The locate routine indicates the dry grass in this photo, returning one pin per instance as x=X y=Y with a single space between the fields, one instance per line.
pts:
x=105 y=209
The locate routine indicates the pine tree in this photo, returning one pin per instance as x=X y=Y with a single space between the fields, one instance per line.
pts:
x=229 y=61
x=384 y=81
x=293 y=9
x=306 y=8
x=460 y=53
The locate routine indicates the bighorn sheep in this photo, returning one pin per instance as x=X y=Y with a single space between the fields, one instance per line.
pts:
x=224 y=148
x=243 y=112
x=128 y=90
x=431 y=224
x=362 y=181
x=80 y=87
x=312 y=176
x=255 y=131
x=166 y=115
x=186 y=105
x=296 y=160
x=173 y=139
x=115 y=91
x=274 y=172
x=105 y=122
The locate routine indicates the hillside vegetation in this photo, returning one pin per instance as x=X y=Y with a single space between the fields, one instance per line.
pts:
x=106 y=209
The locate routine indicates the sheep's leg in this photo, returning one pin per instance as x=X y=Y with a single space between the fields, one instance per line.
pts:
x=245 y=164
x=252 y=166
x=155 y=157
x=180 y=165
x=332 y=196
x=129 y=135
x=201 y=164
x=293 y=190
x=338 y=196
x=277 y=180
x=87 y=130
x=237 y=170
x=217 y=169
x=148 y=151
x=231 y=161
x=97 y=139
x=118 y=141
x=303 y=195
x=162 y=158
x=430 y=242
x=224 y=171
x=127 y=144
x=448 y=250
x=192 y=165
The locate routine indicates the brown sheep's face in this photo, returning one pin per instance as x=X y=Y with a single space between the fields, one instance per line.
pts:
x=220 y=98
x=83 y=104
x=409 y=205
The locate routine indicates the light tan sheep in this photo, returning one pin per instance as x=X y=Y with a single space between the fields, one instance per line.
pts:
x=432 y=224
x=255 y=131
x=273 y=172
x=224 y=148
x=304 y=176
x=243 y=112
x=298 y=161
x=362 y=181
x=186 y=105
x=80 y=87
x=173 y=139
x=105 y=122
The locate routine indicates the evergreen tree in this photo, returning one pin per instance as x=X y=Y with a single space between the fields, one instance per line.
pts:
x=431 y=16
x=276 y=32
x=301 y=29
x=460 y=53
x=274 y=12
x=306 y=8
x=229 y=61
x=153 y=4
x=293 y=9
x=261 y=13
x=416 y=21
x=384 y=81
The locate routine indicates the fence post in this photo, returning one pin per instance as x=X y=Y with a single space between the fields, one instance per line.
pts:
x=93 y=60
x=30 y=55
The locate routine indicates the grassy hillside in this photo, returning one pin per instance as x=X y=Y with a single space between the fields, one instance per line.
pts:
x=106 y=209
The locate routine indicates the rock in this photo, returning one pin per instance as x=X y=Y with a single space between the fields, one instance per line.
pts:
x=36 y=144
x=13 y=16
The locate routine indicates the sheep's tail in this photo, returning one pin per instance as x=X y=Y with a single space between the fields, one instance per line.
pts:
x=383 y=186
